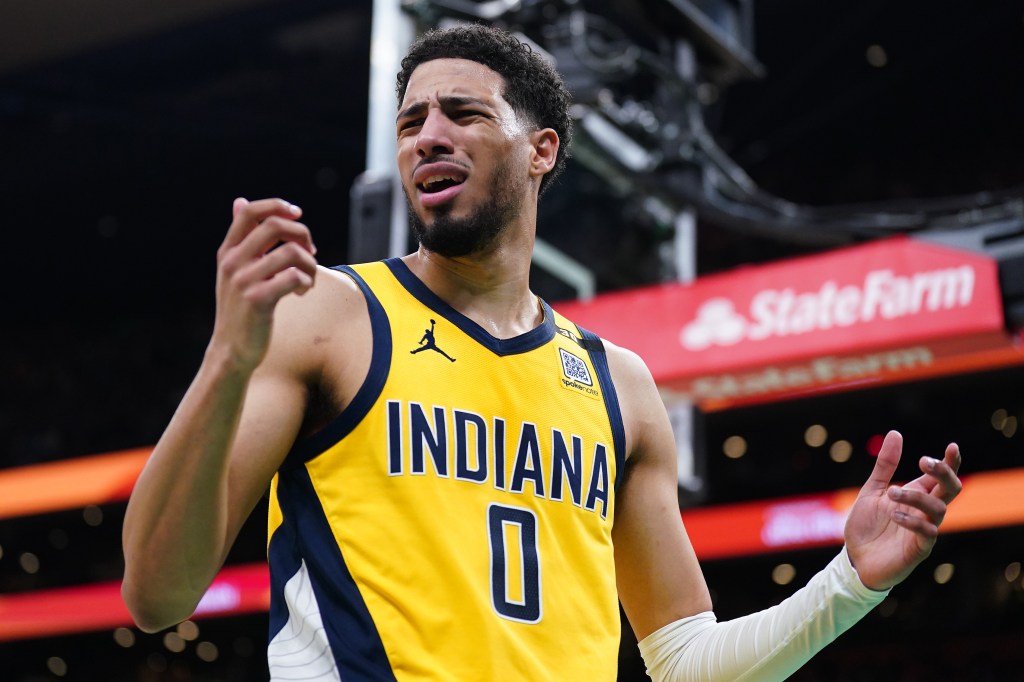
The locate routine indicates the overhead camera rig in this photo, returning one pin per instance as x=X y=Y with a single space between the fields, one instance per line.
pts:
x=639 y=71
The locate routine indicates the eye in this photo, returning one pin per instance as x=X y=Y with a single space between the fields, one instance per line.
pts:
x=408 y=124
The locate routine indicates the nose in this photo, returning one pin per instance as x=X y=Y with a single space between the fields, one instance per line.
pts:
x=435 y=135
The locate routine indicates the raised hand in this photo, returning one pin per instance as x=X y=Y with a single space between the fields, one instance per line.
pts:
x=265 y=256
x=891 y=529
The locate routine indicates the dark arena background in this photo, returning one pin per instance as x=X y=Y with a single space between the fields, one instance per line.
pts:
x=718 y=139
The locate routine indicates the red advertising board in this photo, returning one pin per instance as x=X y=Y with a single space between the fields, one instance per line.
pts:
x=888 y=310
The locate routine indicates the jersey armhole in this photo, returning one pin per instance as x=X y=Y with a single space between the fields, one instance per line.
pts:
x=599 y=357
x=377 y=375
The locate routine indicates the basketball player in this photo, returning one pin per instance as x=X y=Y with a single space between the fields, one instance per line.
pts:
x=463 y=483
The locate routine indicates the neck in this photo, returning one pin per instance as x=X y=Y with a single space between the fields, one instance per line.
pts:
x=492 y=288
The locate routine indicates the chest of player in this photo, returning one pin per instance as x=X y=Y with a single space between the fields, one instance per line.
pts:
x=529 y=420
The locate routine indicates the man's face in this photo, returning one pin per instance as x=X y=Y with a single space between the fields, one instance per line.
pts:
x=463 y=156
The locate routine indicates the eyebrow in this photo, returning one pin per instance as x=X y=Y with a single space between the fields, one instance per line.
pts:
x=447 y=102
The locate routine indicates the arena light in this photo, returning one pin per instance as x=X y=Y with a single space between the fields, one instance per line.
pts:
x=45 y=613
x=70 y=484
x=989 y=500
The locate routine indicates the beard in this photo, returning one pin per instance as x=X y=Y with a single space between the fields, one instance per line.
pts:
x=454 y=237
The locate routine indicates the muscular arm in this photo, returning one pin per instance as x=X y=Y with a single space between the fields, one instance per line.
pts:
x=659 y=579
x=204 y=477
x=235 y=424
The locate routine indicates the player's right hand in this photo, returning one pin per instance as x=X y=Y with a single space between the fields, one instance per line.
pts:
x=266 y=255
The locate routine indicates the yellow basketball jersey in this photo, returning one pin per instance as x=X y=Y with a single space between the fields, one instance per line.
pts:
x=454 y=522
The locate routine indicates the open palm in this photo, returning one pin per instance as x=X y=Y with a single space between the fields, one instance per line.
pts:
x=891 y=529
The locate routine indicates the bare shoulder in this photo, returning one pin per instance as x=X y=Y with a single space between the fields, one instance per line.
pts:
x=333 y=295
x=627 y=367
x=322 y=341
x=633 y=381
x=643 y=412
x=309 y=327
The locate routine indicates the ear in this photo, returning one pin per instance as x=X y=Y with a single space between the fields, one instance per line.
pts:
x=545 y=150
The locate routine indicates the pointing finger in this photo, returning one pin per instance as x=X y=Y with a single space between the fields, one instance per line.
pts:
x=886 y=462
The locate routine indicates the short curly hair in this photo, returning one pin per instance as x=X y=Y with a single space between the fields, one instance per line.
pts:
x=533 y=88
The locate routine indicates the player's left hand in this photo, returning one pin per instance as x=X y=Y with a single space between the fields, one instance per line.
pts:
x=891 y=528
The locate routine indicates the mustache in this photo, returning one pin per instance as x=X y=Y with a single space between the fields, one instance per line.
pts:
x=441 y=158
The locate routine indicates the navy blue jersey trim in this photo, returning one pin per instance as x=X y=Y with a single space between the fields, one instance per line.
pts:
x=535 y=338
x=599 y=357
x=358 y=650
x=366 y=396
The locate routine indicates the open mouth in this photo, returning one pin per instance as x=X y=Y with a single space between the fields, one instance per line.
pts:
x=439 y=183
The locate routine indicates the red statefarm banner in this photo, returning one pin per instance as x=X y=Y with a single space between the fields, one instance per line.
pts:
x=876 y=311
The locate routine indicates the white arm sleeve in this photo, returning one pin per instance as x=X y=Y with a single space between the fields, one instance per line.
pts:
x=764 y=646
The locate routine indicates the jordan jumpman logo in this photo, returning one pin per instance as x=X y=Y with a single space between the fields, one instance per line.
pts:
x=427 y=343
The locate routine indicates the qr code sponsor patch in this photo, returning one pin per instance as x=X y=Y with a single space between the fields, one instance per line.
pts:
x=574 y=368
